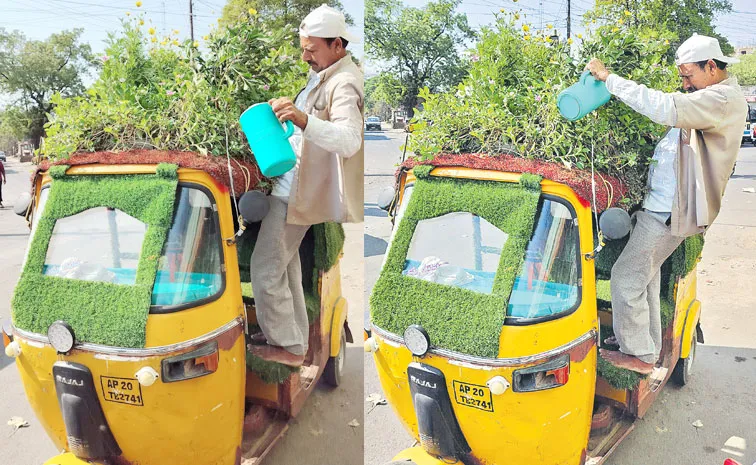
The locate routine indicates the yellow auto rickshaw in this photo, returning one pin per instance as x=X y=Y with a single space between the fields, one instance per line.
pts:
x=491 y=304
x=133 y=312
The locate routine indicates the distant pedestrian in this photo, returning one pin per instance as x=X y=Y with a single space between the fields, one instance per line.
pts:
x=4 y=179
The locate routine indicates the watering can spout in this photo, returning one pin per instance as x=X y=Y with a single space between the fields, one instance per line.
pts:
x=582 y=97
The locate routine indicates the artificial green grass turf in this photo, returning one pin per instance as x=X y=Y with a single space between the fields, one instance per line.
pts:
x=329 y=242
x=269 y=372
x=455 y=319
x=101 y=313
x=682 y=261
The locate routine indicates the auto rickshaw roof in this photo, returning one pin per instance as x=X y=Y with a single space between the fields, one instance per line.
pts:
x=609 y=190
x=246 y=175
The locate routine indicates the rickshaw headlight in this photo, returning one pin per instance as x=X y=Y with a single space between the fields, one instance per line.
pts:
x=61 y=336
x=417 y=340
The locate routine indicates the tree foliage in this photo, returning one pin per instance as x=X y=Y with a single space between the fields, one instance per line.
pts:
x=681 y=18
x=172 y=96
x=277 y=13
x=417 y=45
x=32 y=71
x=382 y=93
x=745 y=71
x=507 y=103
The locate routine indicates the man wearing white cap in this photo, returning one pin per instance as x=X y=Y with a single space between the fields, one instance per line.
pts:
x=692 y=164
x=326 y=184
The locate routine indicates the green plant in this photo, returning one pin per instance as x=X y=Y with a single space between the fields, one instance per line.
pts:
x=158 y=93
x=507 y=103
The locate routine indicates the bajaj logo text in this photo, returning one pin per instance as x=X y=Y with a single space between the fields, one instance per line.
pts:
x=70 y=382
x=423 y=383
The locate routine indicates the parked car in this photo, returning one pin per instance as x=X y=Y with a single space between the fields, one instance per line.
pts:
x=2 y=156
x=748 y=132
x=373 y=123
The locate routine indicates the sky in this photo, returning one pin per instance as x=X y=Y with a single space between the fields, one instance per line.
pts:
x=37 y=19
x=735 y=26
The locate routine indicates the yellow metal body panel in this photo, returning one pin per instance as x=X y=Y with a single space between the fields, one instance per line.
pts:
x=417 y=456
x=175 y=424
x=339 y=317
x=545 y=427
x=66 y=459
x=689 y=331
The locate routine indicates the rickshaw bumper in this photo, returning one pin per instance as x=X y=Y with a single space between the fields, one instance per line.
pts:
x=67 y=459
x=416 y=456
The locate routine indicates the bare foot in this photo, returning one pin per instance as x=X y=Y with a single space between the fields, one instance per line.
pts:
x=628 y=362
x=611 y=341
x=276 y=354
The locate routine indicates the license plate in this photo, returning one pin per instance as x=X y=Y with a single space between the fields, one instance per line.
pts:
x=473 y=395
x=121 y=390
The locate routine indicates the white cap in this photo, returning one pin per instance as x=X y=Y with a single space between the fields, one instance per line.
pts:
x=327 y=23
x=701 y=48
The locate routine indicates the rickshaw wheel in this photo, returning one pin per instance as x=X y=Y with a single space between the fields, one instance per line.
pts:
x=684 y=367
x=335 y=366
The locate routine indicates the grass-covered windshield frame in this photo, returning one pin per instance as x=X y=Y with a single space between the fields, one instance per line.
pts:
x=99 y=312
x=398 y=301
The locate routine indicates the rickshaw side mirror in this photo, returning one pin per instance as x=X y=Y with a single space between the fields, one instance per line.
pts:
x=614 y=223
x=386 y=198
x=21 y=206
x=253 y=206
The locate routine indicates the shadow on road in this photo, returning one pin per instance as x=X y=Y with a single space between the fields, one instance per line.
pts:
x=377 y=136
x=375 y=212
x=374 y=246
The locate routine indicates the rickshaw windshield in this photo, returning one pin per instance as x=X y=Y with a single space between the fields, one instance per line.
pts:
x=463 y=250
x=104 y=244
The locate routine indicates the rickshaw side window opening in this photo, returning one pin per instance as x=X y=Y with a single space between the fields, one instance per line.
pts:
x=547 y=284
x=99 y=244
x=457 y=249
x=190 y=267
x=38 y=210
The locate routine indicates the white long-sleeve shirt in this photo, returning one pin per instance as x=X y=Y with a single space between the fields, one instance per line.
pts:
x=282 y=186
x=660 y=108
x=342 y=139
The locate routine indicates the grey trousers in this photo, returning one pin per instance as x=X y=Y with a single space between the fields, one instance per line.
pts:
x=277 y=280
x=635 y=287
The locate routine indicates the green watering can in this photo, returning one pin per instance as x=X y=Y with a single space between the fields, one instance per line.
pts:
x=582 y=97
x=267 y=139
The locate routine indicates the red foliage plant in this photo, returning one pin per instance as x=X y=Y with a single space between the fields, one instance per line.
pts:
x=609 y=190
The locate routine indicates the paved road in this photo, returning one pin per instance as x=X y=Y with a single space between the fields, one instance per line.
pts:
x=322 y=423
x=721 y=391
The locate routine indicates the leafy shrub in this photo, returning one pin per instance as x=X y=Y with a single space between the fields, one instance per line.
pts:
x=161 y=94
x=507 y=103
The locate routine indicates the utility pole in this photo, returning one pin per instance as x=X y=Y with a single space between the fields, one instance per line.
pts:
x=164 y=17
x=191 y=20
x=568 y=19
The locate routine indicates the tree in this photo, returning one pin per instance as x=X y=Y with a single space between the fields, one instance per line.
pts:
x=745 y=71
x=418 y=45
x=681 y=17
x=31 y=71
x=277 y=13
x=382 y=93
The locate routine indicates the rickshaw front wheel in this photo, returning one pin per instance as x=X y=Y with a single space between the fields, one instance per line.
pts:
x=335 y=366
x=684 y=367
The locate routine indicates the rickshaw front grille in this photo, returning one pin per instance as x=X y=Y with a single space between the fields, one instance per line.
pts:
x=87 y=430
x=439 y=431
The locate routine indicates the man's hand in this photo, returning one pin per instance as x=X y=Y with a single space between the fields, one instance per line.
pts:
x=597 y=69
x=286 y=111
